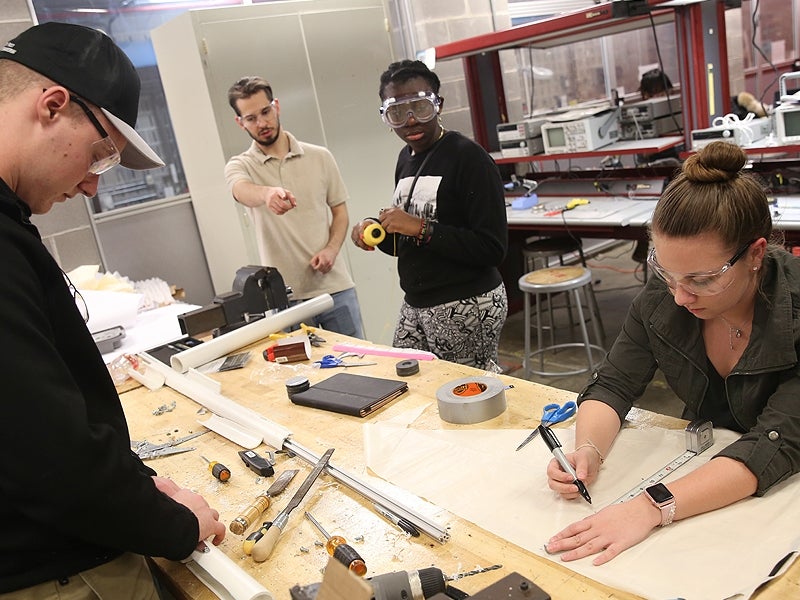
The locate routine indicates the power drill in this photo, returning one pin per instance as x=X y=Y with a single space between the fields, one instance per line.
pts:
x=406 y=585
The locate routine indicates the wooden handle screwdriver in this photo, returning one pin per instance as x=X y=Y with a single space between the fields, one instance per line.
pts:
x=262 y=502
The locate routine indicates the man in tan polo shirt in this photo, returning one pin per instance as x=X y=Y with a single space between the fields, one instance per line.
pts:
x=297 y=200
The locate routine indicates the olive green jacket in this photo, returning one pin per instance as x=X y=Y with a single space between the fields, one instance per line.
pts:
x=763 y=389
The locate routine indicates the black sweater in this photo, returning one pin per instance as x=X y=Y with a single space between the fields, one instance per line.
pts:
x=461 y=190
x=72 y=494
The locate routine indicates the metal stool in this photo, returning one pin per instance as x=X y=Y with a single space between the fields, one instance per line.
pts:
x=571 y=280
x=536 y=254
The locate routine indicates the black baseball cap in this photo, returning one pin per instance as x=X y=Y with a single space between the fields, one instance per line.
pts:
x=90 y=64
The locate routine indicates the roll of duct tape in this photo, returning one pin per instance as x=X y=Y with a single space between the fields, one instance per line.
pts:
x=471 y=400
x=407 y=367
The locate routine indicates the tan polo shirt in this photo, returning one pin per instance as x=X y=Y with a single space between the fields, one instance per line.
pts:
x=287 y=242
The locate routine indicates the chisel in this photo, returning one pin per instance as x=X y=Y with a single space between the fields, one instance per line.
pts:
x=248 y=516
x=263 y=549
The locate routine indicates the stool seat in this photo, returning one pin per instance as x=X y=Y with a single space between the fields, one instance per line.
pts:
x=542 y=282
x=555 y=279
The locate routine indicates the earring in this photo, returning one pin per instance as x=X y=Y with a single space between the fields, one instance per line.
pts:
x=755 y=268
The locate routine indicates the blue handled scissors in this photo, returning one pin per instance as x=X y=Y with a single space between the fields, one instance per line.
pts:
x=329 y=361
x=552 y=413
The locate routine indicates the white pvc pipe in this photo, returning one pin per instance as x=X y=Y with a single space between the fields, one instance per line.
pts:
x=272 y=433
x=250 y=333
x=224 y=577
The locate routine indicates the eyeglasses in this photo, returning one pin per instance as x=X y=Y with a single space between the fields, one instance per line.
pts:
x=265 y=114
x=710 y=283
x=105 y=155
x=423 y=106
x=80 y=302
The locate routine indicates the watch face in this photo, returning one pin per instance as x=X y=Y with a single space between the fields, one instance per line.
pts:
x=659 y=493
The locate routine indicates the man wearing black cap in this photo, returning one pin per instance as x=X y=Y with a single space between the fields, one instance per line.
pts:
x=78 y=509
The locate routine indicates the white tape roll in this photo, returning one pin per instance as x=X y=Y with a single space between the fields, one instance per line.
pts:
x=471 y=400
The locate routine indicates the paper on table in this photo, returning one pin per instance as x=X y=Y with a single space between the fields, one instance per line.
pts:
x=109 y=309
x=151 y=329
x=223 y=577
x=477 y=475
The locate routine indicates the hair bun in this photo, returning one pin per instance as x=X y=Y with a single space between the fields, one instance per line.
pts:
x=717 y=162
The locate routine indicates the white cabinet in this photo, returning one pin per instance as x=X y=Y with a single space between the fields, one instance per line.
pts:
x=324 y=59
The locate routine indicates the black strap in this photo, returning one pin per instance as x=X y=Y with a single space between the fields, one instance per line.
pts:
x=419 y=171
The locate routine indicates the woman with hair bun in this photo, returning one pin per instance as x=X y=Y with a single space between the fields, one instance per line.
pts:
x=721 y=319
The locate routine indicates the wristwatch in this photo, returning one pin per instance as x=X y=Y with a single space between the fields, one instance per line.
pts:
x=663 y=500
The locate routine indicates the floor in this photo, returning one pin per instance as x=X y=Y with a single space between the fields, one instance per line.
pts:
x=617 y=278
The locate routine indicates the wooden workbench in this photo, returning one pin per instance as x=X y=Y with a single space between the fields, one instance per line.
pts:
x=384 y=547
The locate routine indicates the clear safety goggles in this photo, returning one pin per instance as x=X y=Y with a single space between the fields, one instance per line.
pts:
x=105 y=155
x=423 y=106
x=709 y=283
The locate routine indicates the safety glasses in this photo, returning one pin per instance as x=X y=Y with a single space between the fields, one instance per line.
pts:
x=423 y=106
x=709 y=283
x=105 y=155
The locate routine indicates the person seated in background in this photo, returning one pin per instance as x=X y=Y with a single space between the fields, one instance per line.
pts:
x=654 y=83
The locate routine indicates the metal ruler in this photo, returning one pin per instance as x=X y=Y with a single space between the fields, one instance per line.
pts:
x=699 y=437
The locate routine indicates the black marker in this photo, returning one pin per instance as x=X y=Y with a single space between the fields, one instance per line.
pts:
x=555 y=447
x=402 y=523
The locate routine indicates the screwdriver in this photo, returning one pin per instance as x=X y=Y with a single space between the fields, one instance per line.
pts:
x=339 y=549
x=218 y=470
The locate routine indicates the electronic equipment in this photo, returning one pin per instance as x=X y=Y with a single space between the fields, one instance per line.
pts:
x=651 y=118
x=787 y=113
x=521 y=130
x=741 y=133
x=523 y=138
x=651 y=128
x=581 y=130
x=652 y=108
x=255 y=293
x=517 y=148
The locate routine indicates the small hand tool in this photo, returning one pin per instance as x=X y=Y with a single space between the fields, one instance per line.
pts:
x=339 y=549
x=262 y=551
x=329 y=361
x=555 y=447
x=552 y=413
x=147 y=450
x=257 y=463
x=569 y=206
x=218 y=470
x=242 y=523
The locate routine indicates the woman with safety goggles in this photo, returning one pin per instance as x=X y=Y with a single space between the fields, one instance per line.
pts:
x=721 y=319
x=446 y=225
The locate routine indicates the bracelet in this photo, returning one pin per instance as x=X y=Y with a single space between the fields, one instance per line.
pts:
x=423 y=227
x=589 y=444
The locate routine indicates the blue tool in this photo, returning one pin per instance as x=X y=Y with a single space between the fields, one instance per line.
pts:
x=552 y=413
x=329 y=361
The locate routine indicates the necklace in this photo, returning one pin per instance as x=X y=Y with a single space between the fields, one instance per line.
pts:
x=733 y=332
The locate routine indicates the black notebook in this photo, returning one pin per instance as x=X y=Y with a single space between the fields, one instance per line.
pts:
x=356 y=395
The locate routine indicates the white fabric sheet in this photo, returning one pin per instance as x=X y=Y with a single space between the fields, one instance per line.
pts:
x=478 y=475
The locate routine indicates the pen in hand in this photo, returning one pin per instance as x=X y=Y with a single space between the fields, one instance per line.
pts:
x=555 y=447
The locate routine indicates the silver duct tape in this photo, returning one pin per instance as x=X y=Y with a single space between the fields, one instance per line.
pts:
x=471 y=400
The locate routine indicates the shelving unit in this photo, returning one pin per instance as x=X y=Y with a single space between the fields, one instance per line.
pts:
x=648 y=146
x=700 y=32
